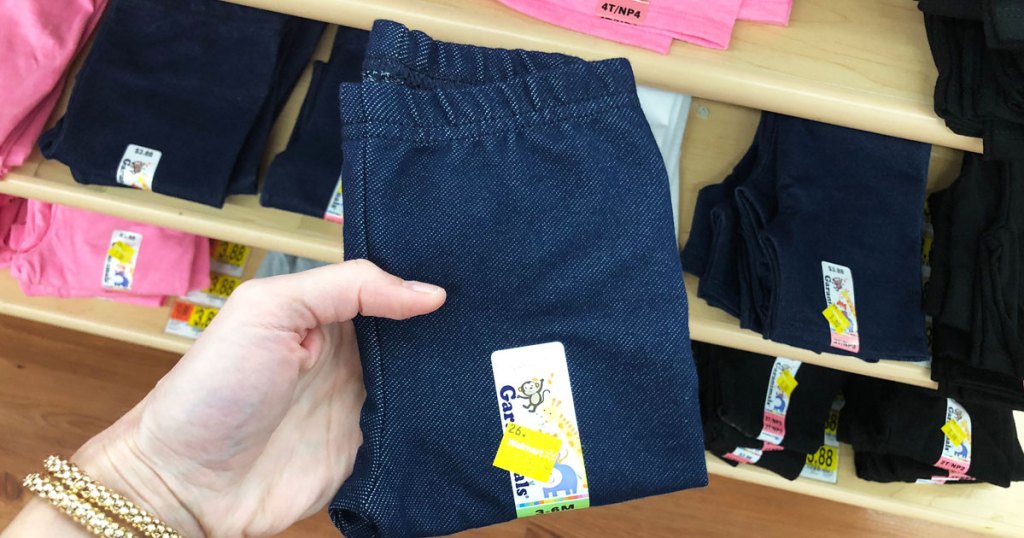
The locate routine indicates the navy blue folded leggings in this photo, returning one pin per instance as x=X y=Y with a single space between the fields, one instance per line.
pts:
x=540 y=203
x=304 y=176
x=807 y=193
x=190 y=79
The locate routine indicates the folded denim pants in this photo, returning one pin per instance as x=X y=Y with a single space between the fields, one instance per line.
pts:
x=210 y=87
x=541 y=204
x=852 y=199
x=304 y=177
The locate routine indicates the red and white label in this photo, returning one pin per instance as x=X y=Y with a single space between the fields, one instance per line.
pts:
x=781 y=384
x=745 y=455
x=840 y=307
x=956 y=442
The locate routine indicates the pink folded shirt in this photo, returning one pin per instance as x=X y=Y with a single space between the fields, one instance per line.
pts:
x=61 y=251
x=654 y=24
x=39 y=40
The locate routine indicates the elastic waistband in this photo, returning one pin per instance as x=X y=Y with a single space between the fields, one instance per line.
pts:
x=385 y=110
x=414 y=59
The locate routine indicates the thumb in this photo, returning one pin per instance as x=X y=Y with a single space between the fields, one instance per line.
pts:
x=335 y=293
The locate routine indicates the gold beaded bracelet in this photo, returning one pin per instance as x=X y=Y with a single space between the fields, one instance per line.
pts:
x=92 y=505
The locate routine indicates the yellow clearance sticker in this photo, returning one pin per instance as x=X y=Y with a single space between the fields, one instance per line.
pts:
x=202 y=316
x=527 y=452
x=954 y=432
x=122 y=252
x=836 y=319
x=786 y=382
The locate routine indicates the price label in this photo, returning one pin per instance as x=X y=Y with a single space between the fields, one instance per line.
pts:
x=786 y=382
x=190 y=320
x=221 y=287
x=954 y=432
x=836 y=319
x=336 y=207
x=229 y=258
x=122 y=252
x=823 y=465
x=527 y=452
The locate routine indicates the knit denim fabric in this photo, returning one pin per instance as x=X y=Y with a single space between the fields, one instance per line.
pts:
x=304 y=176
x=804 y=193
x=529 y=187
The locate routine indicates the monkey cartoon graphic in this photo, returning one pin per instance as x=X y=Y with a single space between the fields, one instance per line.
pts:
x=138 y=166
x=533 y=392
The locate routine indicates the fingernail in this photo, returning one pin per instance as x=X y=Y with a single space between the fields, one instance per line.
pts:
x=422 y=287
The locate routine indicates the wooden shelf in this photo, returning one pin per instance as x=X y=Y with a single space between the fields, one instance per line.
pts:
x=128 y=323
x=980 y=508
x=715 y=326
x=858 y=63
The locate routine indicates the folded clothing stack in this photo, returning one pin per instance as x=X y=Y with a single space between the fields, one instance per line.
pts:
x=179 y=96
x=783 y=240
x=654 y=25
x=39 y=40
x=902 y=433
x=59 y=251
x=547 y=152
x=975 y=296
x=751 y=416
x=978 y=48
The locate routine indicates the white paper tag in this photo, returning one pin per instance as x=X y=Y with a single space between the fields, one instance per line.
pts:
x=840 y=307
x=957 y=446
x=138 y=167
x=336 y=209
x=533 y=390
x=745 y=455
x=119 y=263
x=781 y=384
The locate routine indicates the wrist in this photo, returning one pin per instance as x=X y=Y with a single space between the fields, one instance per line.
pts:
x=114 y=460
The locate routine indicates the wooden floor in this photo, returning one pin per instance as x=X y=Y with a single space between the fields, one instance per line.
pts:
x=58 y=387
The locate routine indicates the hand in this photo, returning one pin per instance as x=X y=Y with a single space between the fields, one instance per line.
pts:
x=258 y=425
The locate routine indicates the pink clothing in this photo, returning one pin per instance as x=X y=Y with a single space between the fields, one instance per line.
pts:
x=62 y=252
x=650 y=25
x=12 y=211
x=766 y=11
x=40 y=38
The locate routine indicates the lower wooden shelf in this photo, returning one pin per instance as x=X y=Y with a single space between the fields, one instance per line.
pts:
x=980 y=508
x=128 y=323
x=714 y=326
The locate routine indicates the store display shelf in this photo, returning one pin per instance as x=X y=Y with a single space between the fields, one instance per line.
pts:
x=709 y=324
x=858 y=63
x=976 y=507
x=128 y=323
x=242 y=220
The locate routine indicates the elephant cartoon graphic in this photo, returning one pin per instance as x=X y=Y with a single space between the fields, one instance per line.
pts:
x=566 y=485
x=963 y=452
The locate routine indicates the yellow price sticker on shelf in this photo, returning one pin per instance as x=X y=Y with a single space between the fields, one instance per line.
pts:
x=836 y=319
x=527 y=452
x=825 y=459
x=231 y=253
x=122 y=252
x=222 y=285
x=954 y=432
x=786 y=382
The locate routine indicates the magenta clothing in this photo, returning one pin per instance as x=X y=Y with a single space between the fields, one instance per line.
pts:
x=40 y=38
x=766 y=11
x=61 y=251
x=651 y=25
